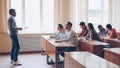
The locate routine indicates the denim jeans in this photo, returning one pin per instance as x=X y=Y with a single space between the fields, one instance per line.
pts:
x=15 y=48
x=67 y=50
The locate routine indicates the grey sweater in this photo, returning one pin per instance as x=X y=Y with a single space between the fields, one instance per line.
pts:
x=12 y=26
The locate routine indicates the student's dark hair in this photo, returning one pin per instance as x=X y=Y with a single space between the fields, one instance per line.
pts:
x=11 y=11
x=82 y=23
x=60 y=25
x=90 y=25
x=109 y=26
x=69 y=24
x=99 y=25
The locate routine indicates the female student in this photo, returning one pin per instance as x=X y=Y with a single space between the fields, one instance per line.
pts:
x=92 y=34
x=111 y=32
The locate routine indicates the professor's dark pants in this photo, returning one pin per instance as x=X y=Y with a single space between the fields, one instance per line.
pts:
x=15 y=48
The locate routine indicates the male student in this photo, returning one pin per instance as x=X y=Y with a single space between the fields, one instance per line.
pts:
x=84 y=30
x=13 y=29
x=60 y=32
x=70 y=35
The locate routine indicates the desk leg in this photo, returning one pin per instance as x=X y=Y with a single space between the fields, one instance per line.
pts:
x=42 y=52
x=57 y=58
x=58 y=63
x=47 y=59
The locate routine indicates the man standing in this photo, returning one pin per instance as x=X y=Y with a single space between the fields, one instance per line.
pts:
x=13 y=34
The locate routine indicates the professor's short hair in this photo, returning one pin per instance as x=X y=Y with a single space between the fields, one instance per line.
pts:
x=11 y=11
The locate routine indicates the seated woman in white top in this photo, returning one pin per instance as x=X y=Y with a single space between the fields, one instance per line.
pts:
x=70 y=35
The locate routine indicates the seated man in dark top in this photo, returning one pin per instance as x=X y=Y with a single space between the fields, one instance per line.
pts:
x=84 y=30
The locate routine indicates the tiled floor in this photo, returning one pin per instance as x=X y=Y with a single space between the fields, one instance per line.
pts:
x=34 y=60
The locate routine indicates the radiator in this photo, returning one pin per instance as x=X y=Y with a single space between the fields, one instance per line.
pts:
x=28 y=43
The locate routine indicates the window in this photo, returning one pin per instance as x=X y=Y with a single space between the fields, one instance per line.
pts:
x=37 y=15
x=48 y=16
x=92 y=11
x=17 y=5
x=81 y=13
x=32 y=16
x=115 y=21
x=98 y=12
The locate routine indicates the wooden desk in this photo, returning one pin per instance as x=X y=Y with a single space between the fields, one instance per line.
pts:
x=86 y=60
x=113 y=55
x=53 y=49
x=113 y=42
x=93 y=46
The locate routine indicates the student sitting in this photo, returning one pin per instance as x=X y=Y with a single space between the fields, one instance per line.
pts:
x=111 y=32
x=84 y=30
x=92 y=34
x=60 y=32
x=102 y=31
x=70 y=35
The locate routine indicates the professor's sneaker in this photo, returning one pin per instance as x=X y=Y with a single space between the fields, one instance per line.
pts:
x=11 y=62
x=17 y=63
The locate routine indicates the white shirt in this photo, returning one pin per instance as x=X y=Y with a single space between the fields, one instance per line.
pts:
x=71 y=37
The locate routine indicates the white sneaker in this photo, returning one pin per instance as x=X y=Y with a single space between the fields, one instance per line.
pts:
x=17 y=63
x=61 y=58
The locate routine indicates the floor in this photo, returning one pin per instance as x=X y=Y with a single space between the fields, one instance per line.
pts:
x=34 y=60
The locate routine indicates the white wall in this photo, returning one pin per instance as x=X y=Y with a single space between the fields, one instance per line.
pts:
x=5 y=43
